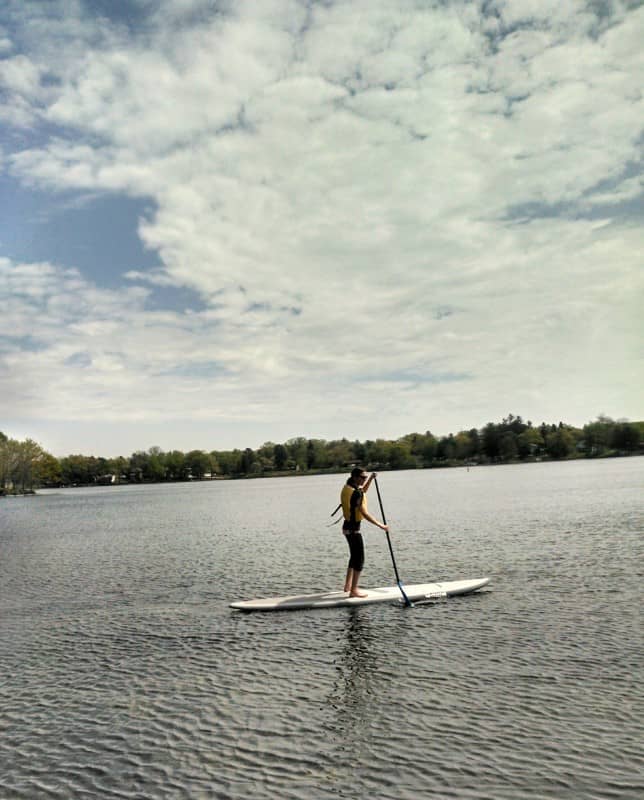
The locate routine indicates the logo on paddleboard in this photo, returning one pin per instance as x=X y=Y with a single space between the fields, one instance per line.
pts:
x=436 y=596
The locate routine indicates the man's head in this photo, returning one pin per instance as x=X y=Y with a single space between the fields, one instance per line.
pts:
x=358 y=475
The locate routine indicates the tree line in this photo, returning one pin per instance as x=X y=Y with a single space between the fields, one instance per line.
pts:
x=25 y=465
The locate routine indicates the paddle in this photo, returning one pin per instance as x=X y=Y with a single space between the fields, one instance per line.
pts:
x=391 y=550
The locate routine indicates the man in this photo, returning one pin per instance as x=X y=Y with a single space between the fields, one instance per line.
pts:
x=354 y=510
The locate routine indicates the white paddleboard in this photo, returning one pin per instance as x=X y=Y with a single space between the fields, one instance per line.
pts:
x=416 y=593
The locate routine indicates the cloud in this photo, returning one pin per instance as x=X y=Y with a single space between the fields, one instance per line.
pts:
x=330 y=178
x=622 y=192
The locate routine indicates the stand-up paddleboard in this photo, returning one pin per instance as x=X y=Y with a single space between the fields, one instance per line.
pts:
x=416 y=593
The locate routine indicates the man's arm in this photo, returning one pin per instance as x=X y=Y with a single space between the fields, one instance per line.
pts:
x=366 y=515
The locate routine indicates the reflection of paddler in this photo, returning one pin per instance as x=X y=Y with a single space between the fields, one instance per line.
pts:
x=354 y=510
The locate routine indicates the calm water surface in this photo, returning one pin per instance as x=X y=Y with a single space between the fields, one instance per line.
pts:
x=124 y=674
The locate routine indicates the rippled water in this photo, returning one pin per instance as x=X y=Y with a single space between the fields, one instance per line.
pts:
x=125 y=674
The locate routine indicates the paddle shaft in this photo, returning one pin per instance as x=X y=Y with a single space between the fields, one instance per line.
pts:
x=391 y=549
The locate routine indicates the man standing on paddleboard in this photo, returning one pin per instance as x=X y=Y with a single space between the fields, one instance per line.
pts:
x=354 y=510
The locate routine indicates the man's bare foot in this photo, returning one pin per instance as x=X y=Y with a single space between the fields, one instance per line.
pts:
x=358 y=594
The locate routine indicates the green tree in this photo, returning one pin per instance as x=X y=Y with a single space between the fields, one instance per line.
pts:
x=597 y=436
x=138 y=466
x=340 y=453
x=48 y=471
x=266 y=457
x=423 y=447
x=507 y=446
x=120 y=468
x=148 y=466
x=475 y=443
x=214 y=464
x=490 y=441
x=429 y=447
x=198 y=463
x=155 y=465
x=27 y=456
x=400 y=456
x=465 y=446
x=297 y=451
x=247 y=461
x=446 y=449
x=8 y=458
x=175 y=465
x=626 y=437
x=78 y=470
x=530 y=442
x=317 y=457
x=359 y=452
x=229 y=461
x=280 y=456
x=377 y=454
x=514 y=424
x=560 y=443
x=236 y=461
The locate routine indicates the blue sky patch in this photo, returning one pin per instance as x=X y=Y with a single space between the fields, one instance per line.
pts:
x=26 y=343
x=96 y=234
x=82 y=360
x=417 y=376
x=197 y=369
x=173 y=298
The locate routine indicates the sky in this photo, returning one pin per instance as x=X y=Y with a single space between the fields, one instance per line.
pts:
x=227 y=223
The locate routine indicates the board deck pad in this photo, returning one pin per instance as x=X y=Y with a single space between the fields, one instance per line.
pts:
x=419 y=592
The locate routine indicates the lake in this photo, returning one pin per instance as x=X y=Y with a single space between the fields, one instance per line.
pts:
x=124 y=674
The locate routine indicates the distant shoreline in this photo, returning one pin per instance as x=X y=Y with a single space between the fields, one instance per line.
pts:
x=293 y=473
x=25 y=465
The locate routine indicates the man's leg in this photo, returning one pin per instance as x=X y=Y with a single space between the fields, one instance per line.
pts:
x=354 y=585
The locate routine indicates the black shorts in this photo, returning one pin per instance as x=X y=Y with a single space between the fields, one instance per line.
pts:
x=356 y=550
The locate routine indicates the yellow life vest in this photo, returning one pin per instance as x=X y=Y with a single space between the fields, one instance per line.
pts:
x=354 y=502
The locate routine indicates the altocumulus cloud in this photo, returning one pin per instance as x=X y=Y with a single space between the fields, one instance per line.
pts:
x=395 y=216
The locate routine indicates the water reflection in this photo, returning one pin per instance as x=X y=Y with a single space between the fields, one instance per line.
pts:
x=351 y=695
